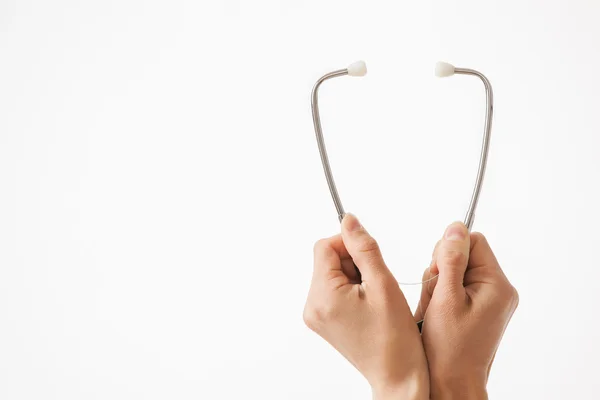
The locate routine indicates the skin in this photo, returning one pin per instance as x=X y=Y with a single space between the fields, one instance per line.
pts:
x=465 y=310
x=368 y=322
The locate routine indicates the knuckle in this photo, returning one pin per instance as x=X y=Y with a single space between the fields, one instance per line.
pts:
x=369 y=245
x=309 y=318
x=316 y=315
x=454 y=257
x=326 y=312
x=479 y=237
x=515 y=297
x=319 y=245
x=508 y=296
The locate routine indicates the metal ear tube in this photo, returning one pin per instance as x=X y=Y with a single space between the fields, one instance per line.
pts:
x=441 y=70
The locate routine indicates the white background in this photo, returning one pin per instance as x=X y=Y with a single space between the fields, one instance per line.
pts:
x=161 y=189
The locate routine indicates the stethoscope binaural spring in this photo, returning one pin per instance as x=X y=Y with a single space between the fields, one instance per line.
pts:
x=441 y=70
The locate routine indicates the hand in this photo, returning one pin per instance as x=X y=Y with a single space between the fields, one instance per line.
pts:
x=368 y=322
x=466 y=310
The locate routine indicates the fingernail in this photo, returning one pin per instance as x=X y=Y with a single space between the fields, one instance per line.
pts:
x=457 y=231
x=352 y=223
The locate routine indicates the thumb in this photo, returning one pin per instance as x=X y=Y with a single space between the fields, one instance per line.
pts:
x=364 y=250
x=452 y=257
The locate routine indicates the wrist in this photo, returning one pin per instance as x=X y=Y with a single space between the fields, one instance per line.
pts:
x=455 y=388
x=414 y=388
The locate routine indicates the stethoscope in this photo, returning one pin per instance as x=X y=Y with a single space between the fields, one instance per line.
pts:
x=442 y=69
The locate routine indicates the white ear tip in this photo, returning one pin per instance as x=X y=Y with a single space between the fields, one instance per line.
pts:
x=443 y=69
x=358 y=68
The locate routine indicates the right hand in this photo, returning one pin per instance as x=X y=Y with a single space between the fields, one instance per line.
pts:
x=368 y=321
x=466 y=310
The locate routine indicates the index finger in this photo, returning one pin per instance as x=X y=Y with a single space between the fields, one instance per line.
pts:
x=483 y=265
x=480 y=253
x=329 y=255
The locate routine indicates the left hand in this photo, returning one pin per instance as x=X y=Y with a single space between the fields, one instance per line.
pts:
x=368 y=322
x=466 y=310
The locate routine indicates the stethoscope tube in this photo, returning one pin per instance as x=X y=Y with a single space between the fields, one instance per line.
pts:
x=321 y=142
x=485 y=146
x=446 y=70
